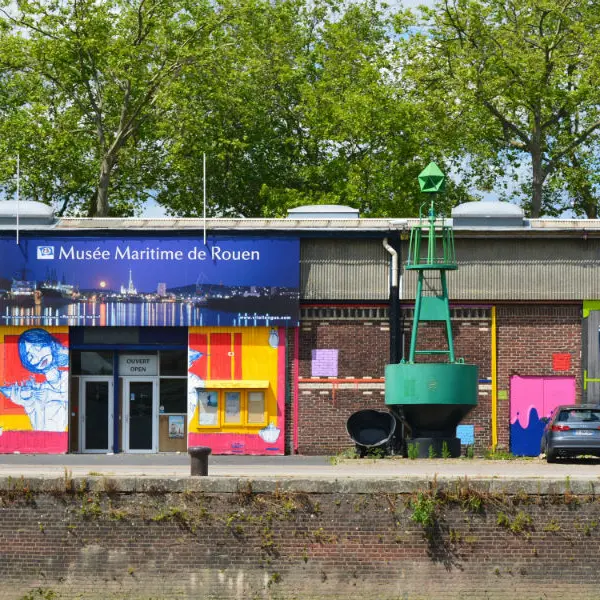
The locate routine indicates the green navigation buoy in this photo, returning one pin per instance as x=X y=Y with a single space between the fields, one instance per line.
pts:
x=432 y=396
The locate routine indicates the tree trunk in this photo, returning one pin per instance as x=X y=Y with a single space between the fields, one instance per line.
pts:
x=537 y=184
x=589 y=202
x=103 y=183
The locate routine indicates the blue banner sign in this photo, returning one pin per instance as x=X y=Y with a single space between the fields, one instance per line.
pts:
x=149 y=281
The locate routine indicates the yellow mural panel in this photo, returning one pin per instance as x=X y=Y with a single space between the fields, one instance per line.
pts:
x=15 y=422
x=249 y=358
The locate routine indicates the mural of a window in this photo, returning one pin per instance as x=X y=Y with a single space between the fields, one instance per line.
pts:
x=233 y=408
x=256 y=408
x=222 y=408
x=208 y=408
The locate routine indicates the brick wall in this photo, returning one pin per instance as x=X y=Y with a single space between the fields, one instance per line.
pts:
x=363 y=347
x=324 y=408
x=527 y=337
x=160 y=539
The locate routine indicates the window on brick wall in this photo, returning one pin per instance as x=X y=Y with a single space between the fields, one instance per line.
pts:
x=231 y=408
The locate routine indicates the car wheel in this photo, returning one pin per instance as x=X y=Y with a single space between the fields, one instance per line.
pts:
x=550 y=456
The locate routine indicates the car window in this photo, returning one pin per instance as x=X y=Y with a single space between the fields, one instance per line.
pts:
x=579 y=416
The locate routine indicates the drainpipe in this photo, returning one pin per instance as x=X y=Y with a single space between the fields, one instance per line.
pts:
x=396 y=345
x=295 y=397
x=494 y=380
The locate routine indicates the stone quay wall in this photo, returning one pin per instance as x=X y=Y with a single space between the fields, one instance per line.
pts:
x=238 y=538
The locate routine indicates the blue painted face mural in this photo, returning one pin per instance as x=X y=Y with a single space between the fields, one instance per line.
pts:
x=45 y=402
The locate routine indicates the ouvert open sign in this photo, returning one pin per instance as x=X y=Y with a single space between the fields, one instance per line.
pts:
x=140 y=365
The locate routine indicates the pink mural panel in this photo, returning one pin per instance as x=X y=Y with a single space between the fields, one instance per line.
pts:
x=33 y=442
x=557 y=391
x=225 y=443
x=526 y=393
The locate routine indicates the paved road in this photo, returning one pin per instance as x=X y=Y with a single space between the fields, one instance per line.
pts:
x=178 y=465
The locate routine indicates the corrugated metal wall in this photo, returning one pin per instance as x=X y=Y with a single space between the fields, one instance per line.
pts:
x=526 y=269
x=489 y=269
x=344 y=269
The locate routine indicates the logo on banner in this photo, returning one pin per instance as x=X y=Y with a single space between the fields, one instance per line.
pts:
x=45 y=252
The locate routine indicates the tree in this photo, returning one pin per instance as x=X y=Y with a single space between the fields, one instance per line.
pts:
x=99 y=70
x=300 y=106
x=243 y=112
x=519 y=78
x=368 y=132
x=293 y=102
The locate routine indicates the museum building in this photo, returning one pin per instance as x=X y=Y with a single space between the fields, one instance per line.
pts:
x=263 y=336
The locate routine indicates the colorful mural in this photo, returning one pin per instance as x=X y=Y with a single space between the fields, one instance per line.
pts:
x=236 y=389
x=34 y=389
x=532 y=399
x=241 y=281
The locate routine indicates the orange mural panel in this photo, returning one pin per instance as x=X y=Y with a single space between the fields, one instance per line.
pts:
x=237 y=355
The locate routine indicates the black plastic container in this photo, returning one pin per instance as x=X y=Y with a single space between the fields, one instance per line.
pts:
x=371 y=429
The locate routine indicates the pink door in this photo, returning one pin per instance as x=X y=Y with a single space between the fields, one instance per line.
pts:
x=532 y=399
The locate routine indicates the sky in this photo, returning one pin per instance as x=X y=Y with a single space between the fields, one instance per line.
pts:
x=153 y=211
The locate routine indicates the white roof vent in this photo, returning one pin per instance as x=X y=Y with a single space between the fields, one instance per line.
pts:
x=29 y=212
x=323 y=211
x=487 y=214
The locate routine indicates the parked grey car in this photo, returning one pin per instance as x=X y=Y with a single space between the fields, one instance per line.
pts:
x=572 y=430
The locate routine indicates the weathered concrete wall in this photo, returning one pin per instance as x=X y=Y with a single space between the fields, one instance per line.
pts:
x=303 y=539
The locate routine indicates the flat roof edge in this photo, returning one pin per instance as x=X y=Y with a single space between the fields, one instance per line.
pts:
x=287 y=225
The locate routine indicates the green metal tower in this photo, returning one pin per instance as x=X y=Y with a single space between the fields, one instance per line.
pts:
x=431 y=397
x=431 y=254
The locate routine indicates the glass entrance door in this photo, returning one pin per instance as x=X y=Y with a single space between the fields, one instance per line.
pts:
x=96 y=420
x=140 y=415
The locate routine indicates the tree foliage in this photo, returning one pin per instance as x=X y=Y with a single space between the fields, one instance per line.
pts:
x=299 y=107
x=85 y=77
x=297 y=101
x=519 y=79
x=292 y=102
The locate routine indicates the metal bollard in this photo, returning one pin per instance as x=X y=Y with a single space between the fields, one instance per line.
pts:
x=199 y=459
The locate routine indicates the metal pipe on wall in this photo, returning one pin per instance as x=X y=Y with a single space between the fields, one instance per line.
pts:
x=494 y=381
x=396 y=345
